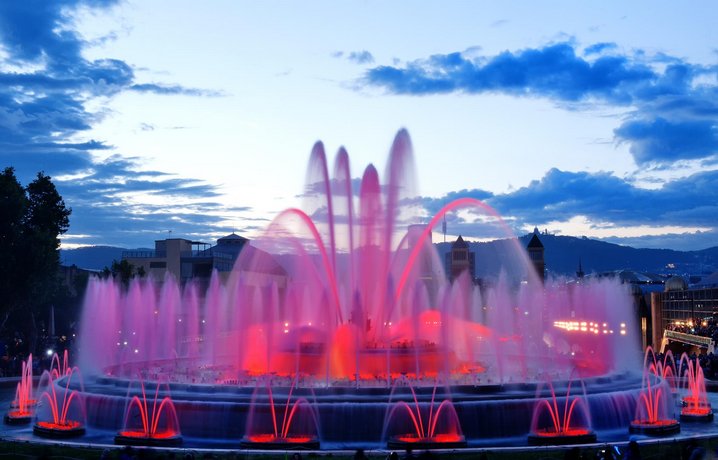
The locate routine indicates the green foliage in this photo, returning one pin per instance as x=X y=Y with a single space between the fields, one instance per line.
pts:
x=124 y=271
x=13 y=206
x=34 y=217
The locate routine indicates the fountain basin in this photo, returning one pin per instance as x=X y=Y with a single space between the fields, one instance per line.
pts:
x=140 y=438
x=350 y=416
x=696 y=414
x=440 y=441
x=552 y=438
x=17 y=417
x=271 y=442
x=69 y=429
x=655 y=428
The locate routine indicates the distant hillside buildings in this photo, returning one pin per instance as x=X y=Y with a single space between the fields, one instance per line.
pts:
x=186 y=259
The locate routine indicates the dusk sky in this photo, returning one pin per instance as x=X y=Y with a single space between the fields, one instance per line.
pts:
x=198 y=118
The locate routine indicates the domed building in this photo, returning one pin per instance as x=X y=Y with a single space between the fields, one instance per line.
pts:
x=675 y=283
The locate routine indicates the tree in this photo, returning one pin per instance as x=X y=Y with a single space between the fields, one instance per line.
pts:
x=13 y=205
x=30 y=242
x=124 y=270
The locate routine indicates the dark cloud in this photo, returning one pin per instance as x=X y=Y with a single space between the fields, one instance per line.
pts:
x=660 y=140
x=434 y=205
x=561 y=195
x=673 y=103
x=554 y=71
x=105 y=205
x=44 y=104
x=602 y=198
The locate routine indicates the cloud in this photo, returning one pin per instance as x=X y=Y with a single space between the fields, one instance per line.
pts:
x=361 y=57
x=603 y=199
x=560 y=195
x=358 y=57
x=114 y=203
x=554 y=71
x=46 y=87
x=671 y=105
x=434 y=205
x=598 y=48
x=158 y=88
x=661 y=141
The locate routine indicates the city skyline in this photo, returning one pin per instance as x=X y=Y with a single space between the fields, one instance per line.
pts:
x=592 y=120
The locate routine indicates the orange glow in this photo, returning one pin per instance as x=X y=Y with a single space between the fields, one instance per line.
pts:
x=141 y=434
x=696 y=411
x=67 y=426
x=439 y=438
x=659 y=422
x=567 y=433
x=267 y=438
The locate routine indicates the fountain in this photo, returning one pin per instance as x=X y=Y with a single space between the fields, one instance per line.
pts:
x=696 y=407
x=654 y=408
x=149 y=426
x=57 y=368
x=20 y=412
x=553 y=425
x=298 y=428
x=66 y=414
x=337 y=302
x=435 y=427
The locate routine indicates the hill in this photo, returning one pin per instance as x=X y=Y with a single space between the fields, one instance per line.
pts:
x=91 y=257
x=562 y=254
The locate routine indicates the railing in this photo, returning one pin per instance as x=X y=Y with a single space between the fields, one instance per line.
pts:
x=143 y=254
x=690 y=339
x=206 y=253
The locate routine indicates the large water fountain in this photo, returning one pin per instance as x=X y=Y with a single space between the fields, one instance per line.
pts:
x=342 y=312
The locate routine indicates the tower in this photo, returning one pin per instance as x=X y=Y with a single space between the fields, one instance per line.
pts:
x=460 y=259
x=579 y=272
x=536 y=254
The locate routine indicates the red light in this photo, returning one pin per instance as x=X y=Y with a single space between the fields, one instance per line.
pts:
x=67 y=426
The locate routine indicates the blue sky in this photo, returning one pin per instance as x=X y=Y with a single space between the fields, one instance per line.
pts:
x=594 y=120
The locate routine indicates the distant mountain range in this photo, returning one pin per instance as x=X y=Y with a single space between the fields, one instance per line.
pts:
x=562 y=254
x=91 y=257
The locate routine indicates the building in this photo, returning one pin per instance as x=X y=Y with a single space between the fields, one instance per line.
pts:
x=460 y=259
x=681 y=311
x=182 y=258
x=185 y=259
x=536 y=255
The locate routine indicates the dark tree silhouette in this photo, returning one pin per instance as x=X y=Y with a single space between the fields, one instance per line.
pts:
x=29 y=245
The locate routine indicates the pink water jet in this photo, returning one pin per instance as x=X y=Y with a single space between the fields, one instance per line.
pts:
x=411 y=425
x=21 y=407
x=272 y=424
x=152 y=424
x=696 y=406
x=566 y=423
x=66 y=408
x=654 y=409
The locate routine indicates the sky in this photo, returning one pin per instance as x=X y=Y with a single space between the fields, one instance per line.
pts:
x=195 y=119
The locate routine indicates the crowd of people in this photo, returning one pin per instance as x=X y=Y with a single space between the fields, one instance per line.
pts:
x=705 y=327
x=15 y=349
